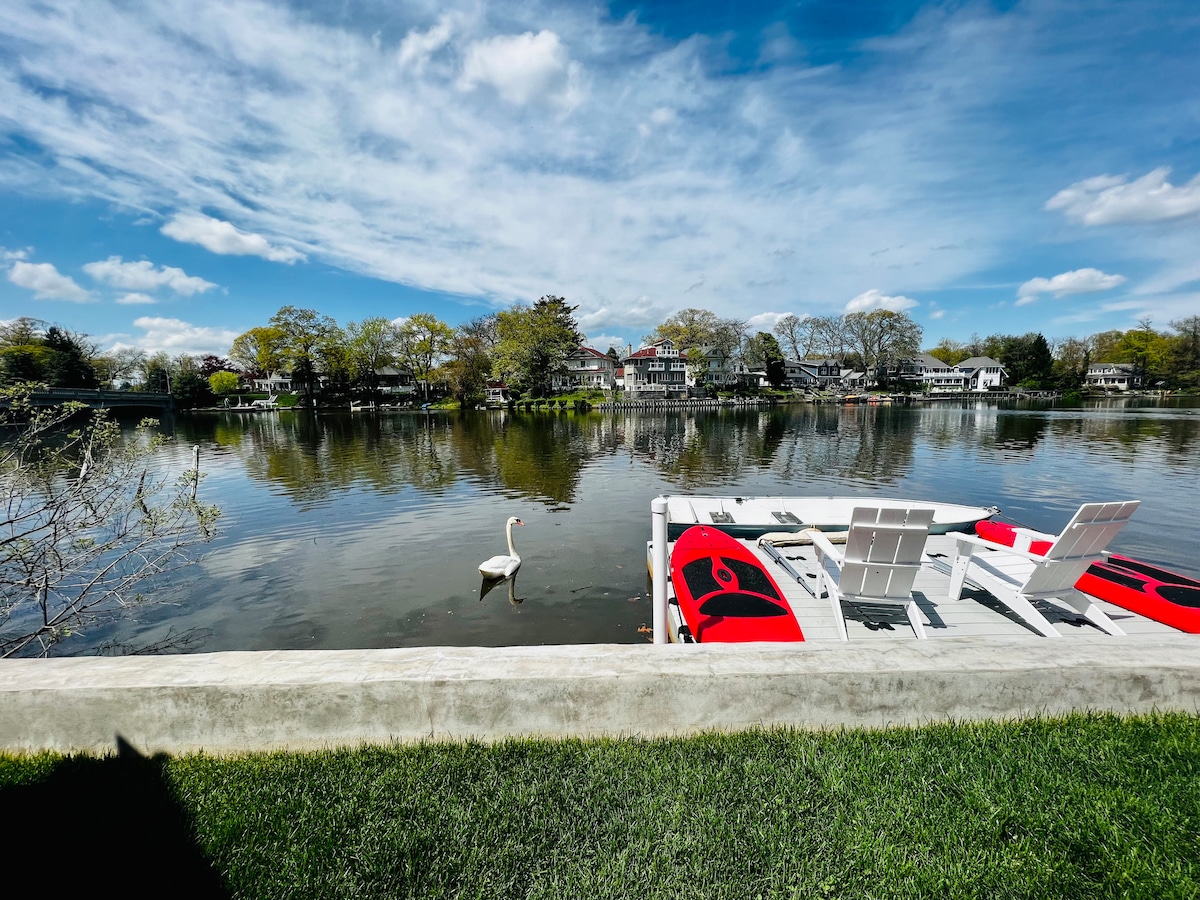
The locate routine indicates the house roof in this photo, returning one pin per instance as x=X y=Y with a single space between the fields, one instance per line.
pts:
x=591 y=351
x=644 y=353
x=978 y=362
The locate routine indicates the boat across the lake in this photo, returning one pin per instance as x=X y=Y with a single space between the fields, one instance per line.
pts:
x=751 y=517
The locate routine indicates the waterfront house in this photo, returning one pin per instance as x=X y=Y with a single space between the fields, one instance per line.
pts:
x=656 y=371
x=274 y=383
x=812 y=373
x=497 y=394
x=586 y=368
x=1113 y=377
x=980 y=373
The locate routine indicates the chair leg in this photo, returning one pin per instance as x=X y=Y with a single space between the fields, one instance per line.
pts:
x=914 y=616
x=1086 y=606
x=1026 y=610
x=835 y=600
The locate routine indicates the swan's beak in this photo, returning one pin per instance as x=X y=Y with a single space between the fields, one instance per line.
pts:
x=518 y=522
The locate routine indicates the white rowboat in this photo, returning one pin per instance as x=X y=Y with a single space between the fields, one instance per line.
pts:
x=750 y=517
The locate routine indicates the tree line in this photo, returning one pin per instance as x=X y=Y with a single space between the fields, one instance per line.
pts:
x=525 y=346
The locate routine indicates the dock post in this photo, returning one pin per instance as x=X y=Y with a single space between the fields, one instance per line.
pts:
x=658 y=557
x=195 y=469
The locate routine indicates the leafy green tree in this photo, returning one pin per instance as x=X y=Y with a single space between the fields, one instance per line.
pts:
x=534 y=342
x=701 y=328
x=763 y=351
x=86 y=520
x=1185 y=352
x=372 y=346
x=305 y=334
x=223 y=383
x=191 y=389
x=422 y=342
x=950 y=352
x=259 y=351
x=156 y=373
x=471 y=359
x=1028 y=360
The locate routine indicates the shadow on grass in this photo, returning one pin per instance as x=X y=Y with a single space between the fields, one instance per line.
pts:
x=104 y=825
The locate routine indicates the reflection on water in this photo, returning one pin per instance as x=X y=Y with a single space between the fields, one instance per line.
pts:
x=365 y=530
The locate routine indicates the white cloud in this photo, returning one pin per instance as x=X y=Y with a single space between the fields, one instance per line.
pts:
x=175 y=336
x=13 y=255
x=763 y=321
x=222 y=237
x=520 y=67
x=46 y=282
x=1108 y=200
x=874 y=299
x=142 y=276
x=1080 y=281
x=135 y=298
x=418 y=46
x=937 y=314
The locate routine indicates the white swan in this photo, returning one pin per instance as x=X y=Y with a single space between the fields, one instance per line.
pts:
x=503 y=566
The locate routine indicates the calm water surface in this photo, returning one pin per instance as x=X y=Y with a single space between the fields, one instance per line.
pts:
x=359 y=530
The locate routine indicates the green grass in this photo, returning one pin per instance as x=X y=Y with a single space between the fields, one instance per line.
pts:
x=1088 y=806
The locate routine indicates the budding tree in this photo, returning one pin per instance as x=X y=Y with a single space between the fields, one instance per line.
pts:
x=87 y=517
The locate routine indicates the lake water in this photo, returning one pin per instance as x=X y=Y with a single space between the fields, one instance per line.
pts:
x=356 y=530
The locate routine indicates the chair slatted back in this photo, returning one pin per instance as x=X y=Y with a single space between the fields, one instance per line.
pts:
x=883 y=552
x=1083 y=542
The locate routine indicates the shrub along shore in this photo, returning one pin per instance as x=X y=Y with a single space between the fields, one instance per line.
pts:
x=1084 y=806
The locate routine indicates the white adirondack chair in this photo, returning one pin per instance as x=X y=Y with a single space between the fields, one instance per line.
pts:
x=879 y=562
x=1015 y=576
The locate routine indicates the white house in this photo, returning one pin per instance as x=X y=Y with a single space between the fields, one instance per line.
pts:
x=586 y=368
x=1113 y=377
x=274 y=383
x=980 y=373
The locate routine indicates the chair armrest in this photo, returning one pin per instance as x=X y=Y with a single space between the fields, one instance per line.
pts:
x=826 y=548
x=992 y=545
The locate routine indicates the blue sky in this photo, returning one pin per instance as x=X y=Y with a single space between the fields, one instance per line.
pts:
x=172 y=173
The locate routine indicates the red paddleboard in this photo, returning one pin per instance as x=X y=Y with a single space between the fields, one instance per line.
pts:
x=1139 y=587
x=725 y=594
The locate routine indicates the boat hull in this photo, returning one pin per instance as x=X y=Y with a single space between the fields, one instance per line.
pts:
x=1142 y=588
x=724 y=593
x=749 y=518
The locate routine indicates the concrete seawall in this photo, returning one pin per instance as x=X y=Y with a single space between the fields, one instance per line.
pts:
x=241 y=702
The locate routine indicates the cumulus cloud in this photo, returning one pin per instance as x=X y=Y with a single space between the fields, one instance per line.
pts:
x=874 y=299
x=1080 y=281
x=175 y=336
x=135 y=298
x=520 y=67
x=46 y=282
x=1109 y=200
x=222 y=237
x=143 y=276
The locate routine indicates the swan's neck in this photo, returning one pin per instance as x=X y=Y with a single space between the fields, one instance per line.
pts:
x=512 y=551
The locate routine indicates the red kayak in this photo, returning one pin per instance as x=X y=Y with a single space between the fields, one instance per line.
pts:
x=724 y=593
x=1139 y=587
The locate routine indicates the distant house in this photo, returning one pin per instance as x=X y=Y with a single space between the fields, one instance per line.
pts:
x=497 y=394
x=656 y=370
x=586 y=368
x=812 y=373
x=395 y=381
x=274 y=383
x=1113 y=377
x=927 y=372
x=980 y=373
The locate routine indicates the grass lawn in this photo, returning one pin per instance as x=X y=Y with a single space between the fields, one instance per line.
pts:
x=1087 y=806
